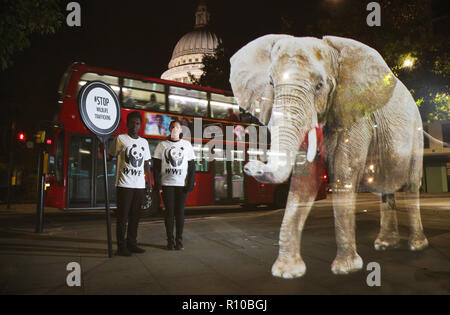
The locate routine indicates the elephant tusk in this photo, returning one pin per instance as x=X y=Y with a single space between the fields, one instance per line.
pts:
x=312 y=145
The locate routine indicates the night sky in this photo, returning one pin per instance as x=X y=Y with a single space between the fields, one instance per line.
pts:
x=138 y=37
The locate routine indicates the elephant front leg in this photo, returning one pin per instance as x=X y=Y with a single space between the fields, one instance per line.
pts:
x=348 y=162
x=289 y=263
x=347 y=259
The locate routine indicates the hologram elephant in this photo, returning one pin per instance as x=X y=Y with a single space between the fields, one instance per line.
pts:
x=292 y=84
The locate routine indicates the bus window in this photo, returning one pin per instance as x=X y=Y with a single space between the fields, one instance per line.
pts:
x=143 y=85
x=144 y=95
x=91 y=76
x=220 y=179
x=237 y=175
x=156 y=102
x=140 y=99
x=224 y=107
x=188 y=102
x=201 y=162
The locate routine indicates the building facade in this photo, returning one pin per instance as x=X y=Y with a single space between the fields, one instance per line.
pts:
x=436 y=158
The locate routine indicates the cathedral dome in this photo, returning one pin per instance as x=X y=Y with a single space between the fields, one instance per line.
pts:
x=199 y=41
x=188 y=54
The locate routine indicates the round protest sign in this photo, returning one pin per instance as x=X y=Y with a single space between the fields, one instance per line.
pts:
x=99 y=108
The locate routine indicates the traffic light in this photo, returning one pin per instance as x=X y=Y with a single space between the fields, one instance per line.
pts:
x=22 y=137
x=21 y=142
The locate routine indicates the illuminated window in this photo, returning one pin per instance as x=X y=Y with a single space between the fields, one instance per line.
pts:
x=224 y=107
x=91 y=76
x=144 y=85
x=188 y=102
x=143 y=95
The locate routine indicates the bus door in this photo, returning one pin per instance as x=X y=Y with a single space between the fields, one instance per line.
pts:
x=228 y=180
x=99 y=188
x=85 y=189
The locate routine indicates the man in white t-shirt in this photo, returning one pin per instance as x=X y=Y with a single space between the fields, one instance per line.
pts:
x=133 y=165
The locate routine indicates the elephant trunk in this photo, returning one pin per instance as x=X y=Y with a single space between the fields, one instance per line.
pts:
x=292 y=119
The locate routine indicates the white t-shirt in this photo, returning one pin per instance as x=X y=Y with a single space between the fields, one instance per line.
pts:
x=174 y=156
x=130 y=163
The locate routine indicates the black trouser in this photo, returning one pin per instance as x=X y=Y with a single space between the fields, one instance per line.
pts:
x=174 y=198
x=129 y=203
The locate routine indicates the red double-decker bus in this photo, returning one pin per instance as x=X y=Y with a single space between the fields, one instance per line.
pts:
x=75 y=179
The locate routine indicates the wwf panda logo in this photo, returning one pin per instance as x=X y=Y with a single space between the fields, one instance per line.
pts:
x=134 y=156
x=174 y=156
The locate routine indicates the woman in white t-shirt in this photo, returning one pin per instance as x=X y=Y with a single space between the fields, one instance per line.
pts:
x=174 y=172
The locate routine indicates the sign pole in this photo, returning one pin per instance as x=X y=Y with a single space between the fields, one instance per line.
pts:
x=99 y=110
x=108 y=214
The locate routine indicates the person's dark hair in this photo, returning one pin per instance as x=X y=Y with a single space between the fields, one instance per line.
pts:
x=172 y=122
x=134 y=114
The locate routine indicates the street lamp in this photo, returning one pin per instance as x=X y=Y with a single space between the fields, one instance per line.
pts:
x=408 y=63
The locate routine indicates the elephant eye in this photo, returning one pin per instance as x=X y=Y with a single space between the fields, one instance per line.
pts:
x=271 y=80
x=319 y=86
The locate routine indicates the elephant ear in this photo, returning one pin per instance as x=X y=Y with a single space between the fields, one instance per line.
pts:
x=250 y=76
x=364 y=81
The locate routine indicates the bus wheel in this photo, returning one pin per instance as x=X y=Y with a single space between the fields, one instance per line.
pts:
x=280 y=197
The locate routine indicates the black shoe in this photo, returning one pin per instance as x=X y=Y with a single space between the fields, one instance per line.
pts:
x=135 y=249
x=170 y=246
x=179 y=246
x=123 y=252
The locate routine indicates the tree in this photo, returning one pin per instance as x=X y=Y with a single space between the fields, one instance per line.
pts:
x=418 y=54
x=20 y=19
x=216 y=70
x=411 y=41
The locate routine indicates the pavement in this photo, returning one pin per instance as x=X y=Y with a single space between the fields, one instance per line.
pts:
x=228 y=251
